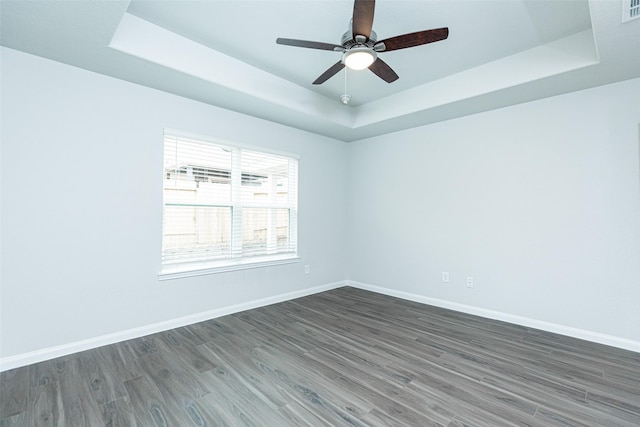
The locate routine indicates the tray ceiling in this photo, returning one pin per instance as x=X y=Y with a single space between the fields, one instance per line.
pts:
x=498 y=53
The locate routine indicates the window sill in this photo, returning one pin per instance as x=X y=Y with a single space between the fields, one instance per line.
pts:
x=226 y=266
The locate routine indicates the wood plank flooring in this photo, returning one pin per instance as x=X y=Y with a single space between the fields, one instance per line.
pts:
x=345 y=357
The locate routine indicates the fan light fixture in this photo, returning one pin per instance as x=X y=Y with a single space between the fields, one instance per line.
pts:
x=359 y=58
x=360 y=46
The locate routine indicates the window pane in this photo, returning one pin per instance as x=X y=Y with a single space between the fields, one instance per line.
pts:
x=196 y=233
x=223 y=203
x=264 y=179
x=265 y=231
x=196 y=192
x=197 y=171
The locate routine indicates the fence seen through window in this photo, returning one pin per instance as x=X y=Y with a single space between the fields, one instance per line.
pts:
x=224 y=204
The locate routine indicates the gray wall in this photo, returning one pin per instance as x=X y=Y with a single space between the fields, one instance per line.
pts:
x=82 y=206
x=539 y=202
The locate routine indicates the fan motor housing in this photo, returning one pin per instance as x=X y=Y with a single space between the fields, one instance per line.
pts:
x=348 y=40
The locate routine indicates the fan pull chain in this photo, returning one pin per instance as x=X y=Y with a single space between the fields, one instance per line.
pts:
x=345 y=97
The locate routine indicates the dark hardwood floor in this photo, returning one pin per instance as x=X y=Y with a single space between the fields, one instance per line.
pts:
x=346 y=357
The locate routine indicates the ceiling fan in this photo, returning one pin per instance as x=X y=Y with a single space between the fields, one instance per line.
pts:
x=360 y=46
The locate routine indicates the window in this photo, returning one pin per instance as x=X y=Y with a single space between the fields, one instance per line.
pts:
x=225 y=207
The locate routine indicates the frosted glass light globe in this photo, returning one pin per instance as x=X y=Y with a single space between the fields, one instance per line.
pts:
x=359 y=58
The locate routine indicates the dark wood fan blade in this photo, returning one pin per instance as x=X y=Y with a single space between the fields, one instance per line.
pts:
x=309 y=44
x=413 y=39
x=382 y=70
x=329 y=73
x=363 y=17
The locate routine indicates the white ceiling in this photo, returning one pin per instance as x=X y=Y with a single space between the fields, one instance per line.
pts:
x=224 y=53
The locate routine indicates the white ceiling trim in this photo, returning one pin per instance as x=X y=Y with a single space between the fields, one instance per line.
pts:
x=145 y=40
x=564 y=55
x=148 y=41
x=496 y=57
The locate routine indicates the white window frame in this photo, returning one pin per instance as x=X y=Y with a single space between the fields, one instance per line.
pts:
x=236 y=262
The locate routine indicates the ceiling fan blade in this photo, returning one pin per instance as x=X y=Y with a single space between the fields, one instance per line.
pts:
x=363 y=17
x=382 y=70
x=310 y=44
x=329 y=73
x=412 y=39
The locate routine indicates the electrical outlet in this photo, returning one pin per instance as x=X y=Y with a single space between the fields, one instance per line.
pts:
x=445 y=277
x=306 y=269
x=469 y=282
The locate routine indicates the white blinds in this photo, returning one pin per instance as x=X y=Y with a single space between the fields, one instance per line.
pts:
x=223 y=203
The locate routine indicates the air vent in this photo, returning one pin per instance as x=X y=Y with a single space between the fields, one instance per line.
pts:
x=630 y=10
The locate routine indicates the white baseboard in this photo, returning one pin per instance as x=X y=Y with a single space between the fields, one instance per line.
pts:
x=597 y=337
x=74 y=347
